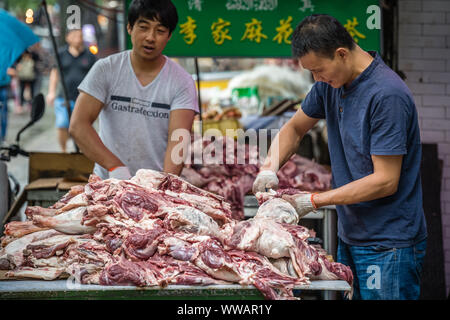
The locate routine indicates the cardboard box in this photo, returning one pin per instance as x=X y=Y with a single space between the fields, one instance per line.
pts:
x=51 y=175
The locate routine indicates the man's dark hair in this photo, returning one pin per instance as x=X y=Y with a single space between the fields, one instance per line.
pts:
x=162 y=10
x=321 y=34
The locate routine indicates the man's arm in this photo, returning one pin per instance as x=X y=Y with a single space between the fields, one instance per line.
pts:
x=52 y=85
x=381 y=183
x=86 y=111
x=11 y=72
x=179 y=119
x=286 y=142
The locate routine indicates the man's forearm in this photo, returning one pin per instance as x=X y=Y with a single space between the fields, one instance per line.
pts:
x=11 y=72
x=53 y=81
x=282 y=148
x=368 y=188
x=170 y=166
x=179 y=138
x=92 y=146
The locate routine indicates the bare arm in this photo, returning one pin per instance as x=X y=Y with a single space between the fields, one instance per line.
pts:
x=287 y=140
x=11 y=72
x=86 y=111
x=381 y=183
x=52 y=85
x=179 y=119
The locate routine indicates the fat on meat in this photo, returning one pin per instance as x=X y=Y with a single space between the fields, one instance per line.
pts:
x=19 y=229
x=12 y=255
x=278 y=210
x=266 y=237
x=68 y=222
x=46 y=273
x=188 y=219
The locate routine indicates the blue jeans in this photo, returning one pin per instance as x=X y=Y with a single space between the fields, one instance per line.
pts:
x=61 y=114
x=3 y=112
x=382 y=273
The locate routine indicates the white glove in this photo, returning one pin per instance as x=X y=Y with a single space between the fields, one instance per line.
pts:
x=266 y=179
x=302 y=203
x=121 y=173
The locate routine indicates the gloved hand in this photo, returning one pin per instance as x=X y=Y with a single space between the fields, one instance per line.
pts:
x=266 y=179
x=121 y=173
x=303 y=203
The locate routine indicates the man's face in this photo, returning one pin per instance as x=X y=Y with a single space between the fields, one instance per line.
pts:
x=75 y=38
x=335 y=71
x=149 y=38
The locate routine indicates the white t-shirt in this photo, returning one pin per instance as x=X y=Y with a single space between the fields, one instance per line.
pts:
x=134 y=122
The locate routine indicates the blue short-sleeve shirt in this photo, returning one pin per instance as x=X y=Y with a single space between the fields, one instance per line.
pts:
x=375 y=115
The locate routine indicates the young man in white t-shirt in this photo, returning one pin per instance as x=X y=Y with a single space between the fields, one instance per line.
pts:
x=140 y=96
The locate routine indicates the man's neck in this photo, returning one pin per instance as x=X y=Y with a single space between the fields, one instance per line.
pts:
x=361 y=62
x=146 y=65
x=75 y=51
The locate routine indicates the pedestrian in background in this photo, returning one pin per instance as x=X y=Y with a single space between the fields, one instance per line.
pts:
x=43 y=65
x=76 y=61
x=5 y=81
x=26 y=73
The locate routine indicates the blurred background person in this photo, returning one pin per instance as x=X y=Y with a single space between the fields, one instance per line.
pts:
x=43 y=65
x=26 y=74
x=76 y=60
x=5 y=80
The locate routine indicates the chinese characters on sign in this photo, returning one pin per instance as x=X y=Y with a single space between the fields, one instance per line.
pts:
x=256 y=5
x=220 y=32
x=253 y=31
x=351 y=28
x=195 y=5
x=188 y=29
x=284 y=31
x=307 y=5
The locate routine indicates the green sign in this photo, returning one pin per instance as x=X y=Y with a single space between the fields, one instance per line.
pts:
x=262 y=28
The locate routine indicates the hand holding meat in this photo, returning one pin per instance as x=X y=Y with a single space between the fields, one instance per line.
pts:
x=266 y=179
x=302 y=203
x=120 y=173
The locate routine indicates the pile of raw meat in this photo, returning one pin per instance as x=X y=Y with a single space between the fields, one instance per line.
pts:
x=157 y=230
x=233 y=177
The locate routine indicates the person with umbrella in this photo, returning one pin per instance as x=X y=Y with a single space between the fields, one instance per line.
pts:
x=15 y=38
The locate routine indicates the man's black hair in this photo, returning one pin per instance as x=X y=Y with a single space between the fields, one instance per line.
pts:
x=321 y=34
x=162 y=10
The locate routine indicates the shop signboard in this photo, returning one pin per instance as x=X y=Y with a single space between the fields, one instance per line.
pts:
x=262 y=28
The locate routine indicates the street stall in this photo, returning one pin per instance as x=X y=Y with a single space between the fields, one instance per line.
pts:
x=157 y=236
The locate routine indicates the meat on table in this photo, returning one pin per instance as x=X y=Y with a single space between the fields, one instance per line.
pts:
x=157 y=229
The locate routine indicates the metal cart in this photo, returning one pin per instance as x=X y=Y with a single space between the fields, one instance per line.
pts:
x=66 y=289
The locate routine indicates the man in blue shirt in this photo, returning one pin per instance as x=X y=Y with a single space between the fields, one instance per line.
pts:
x=375 y=153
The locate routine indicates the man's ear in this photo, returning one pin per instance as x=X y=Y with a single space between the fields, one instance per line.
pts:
x=342 y=53
x=129 y=28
